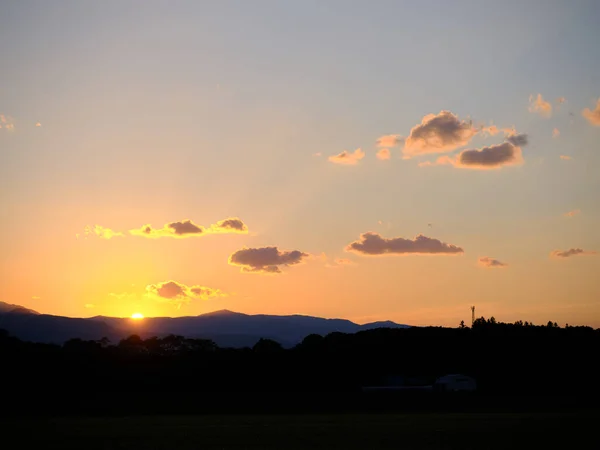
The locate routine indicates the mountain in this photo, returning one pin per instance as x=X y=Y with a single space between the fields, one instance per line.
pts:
x=225 y=328
x=7 y=308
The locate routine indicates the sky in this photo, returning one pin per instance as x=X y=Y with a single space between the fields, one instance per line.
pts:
x=387 y=160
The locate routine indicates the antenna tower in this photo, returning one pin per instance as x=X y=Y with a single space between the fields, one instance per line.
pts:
x=472 y=315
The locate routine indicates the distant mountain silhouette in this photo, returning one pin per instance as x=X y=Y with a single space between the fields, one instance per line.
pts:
x=7 y=308
x=225 y=328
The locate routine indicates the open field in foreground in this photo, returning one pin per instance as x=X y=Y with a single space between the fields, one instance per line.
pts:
x=340 y=431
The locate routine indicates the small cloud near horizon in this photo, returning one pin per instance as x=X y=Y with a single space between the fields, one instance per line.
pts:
x=101 y=232
x=347 y=158
x=572 y=213
x=266 y=260
x=540 y=106
x=340 y=262
x=179 y=293
x=489 y=262
x=555 y=133
x=565 y=157
x=592 y=115
x=373 y=244
x=186 y=228
x=570 y=252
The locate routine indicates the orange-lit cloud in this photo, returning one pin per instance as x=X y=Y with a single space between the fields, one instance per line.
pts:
x=384 y=154
x=593 y=115
x=570 y=252
x=186 y=228
x=373 y=244
x=348 y=158
x=340 y=262
x=565 y=157
x=178 y=293
x=6 y=122
x=572 y=213
x=493 y=130
x=561 y=100
x=439 y=133
x=493 y=157
x=265 y=259
x=38 y=124
x=491 y=263
x=35 y=297
x=182 y=229
x=540 y=106
x=555 y=133
x=389 y=140
x=231 y=225
x=101 y=232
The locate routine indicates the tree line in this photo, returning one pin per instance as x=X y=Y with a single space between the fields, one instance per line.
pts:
x=505 y=358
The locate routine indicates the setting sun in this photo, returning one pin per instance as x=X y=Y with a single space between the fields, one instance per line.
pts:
x=137 y=316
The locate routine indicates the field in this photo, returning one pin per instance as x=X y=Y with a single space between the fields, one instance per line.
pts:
x=339 y=431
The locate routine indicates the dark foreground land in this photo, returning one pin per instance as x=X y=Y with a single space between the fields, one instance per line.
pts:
x=566 y=430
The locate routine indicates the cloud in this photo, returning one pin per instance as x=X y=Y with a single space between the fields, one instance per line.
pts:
x=265 y=259
x=488 y=262
x=348 y=158
x=389 y=140
x=555 y=133
x=570 y=252
x=35 y=297
x=593 y=116
x=230 y=225
x=6 y=122
x=186 y=228
x=492 y=157
x=561 y=100
x=540 y=106
x=38 y=124
x=89 y=305
x=373 y=244
x=565 y=157
x=340 y=262
x=178 y=293
x=384 y=154
x=317 y=154
x=493 y=130
x=518 y=140
x=572 y=213
x=439 y=133
x=101 y=232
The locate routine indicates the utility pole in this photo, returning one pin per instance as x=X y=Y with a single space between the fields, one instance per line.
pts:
x=472 y=315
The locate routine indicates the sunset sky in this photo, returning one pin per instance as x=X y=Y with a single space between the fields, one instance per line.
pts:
x=179 y=157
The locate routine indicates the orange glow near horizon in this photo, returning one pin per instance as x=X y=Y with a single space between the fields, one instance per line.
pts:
x=137 y=316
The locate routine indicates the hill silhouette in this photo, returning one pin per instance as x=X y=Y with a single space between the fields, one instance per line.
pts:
x=226 y=328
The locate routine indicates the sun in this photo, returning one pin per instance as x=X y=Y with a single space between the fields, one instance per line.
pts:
x=137 y=316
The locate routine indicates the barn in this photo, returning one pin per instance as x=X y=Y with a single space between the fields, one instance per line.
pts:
x=455 y=383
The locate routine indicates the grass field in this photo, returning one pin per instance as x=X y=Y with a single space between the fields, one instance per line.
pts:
x=377 y=431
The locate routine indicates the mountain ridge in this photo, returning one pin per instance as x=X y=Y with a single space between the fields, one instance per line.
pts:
x=224 y=327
